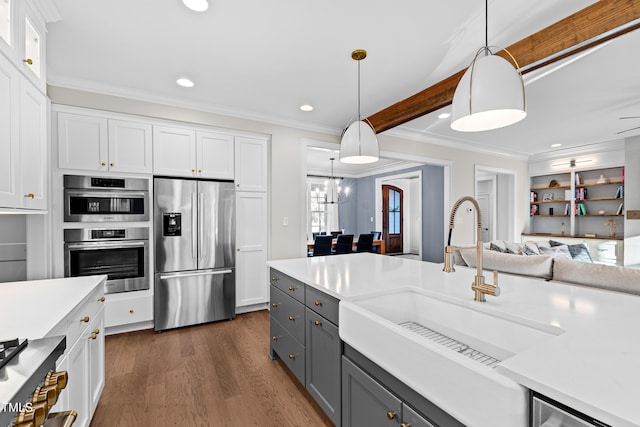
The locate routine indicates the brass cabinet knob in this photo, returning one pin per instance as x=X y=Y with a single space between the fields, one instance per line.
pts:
x=275 y=304
x=292 y=356
x=291 y=288
x=238 y=249
x=199 y=170
x=292 y=318
x=317 y=303
x=405 y=425
x=274 y=279
x=30 y=196
x=317 y=323
x=193 y=170
x=96 y=331
x=103 y=164
x=28 y=61
x=274 y=338
x=101 y=299
x=131 y=310
x=112 y=164
x=237 y=185
x=391 y=415
x=85 y=319
x=93 y=336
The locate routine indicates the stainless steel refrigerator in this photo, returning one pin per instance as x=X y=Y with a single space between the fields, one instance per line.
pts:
x=195 y=252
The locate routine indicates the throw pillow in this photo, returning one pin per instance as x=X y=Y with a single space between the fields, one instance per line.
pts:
x=535 y=266
x=494 y=247
x=530 y=248
x=579 y=251
x=558 y=252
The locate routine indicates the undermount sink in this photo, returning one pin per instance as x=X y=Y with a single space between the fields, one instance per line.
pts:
x=445 y=349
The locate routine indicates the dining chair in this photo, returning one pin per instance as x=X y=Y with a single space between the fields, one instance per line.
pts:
x=322 y=245
x=344 y=244
x=365 y=243
x=336 y=233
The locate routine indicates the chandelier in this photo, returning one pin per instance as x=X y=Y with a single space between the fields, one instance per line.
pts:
x=336 y=195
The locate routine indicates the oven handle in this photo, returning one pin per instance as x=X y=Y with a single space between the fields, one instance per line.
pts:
x=99 y=245
x=102 y=193
x=200 y=273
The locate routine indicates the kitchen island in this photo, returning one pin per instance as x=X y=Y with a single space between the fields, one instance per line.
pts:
x=590 y=365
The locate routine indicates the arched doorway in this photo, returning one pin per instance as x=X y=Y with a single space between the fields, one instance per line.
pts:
x=392 y=218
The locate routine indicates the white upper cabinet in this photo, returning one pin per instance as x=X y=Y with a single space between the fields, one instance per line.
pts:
x=9 y=133
x=130 y=147
x=174 y=151
x=251 y=164
x=97 y=144
x=32 y=45
x=6 y=21
x=215 y=155
x=33 y=148
x=188 y=153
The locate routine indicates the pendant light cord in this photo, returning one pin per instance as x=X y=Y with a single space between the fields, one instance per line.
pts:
x=359 y=116
x=486 y=23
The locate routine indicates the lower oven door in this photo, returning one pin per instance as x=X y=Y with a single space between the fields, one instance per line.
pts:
x=124 y=262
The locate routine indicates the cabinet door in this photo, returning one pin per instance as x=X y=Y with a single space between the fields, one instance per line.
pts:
x=82 y=142
x=9 y=133
x=251 y=244
x=95 y=360
x=323 y=357
x=251 y=164
x=77 y=390
x=33 y=47
x=365 y=402
x=214 y=156
x=411 y=418
x=174 y=151
x=33 y=148
x=130 y=148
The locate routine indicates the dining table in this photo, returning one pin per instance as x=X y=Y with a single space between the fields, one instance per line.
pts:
x=376 y=243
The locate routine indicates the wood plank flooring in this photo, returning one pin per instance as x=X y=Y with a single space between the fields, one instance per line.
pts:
x=218 y=374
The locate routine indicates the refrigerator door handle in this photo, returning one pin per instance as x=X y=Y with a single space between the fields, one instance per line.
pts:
x=199 y=273
x=194 y=222
x=200 y=225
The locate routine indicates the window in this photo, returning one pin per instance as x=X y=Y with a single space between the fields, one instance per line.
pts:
x=317 y=209
x=394 y=212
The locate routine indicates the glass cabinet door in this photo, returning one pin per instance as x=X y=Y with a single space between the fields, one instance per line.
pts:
x=5 y=21
x=32 y=48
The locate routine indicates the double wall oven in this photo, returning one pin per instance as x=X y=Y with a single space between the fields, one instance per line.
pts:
x=113 y=238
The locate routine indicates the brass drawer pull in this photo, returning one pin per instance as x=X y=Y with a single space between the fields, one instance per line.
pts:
x=30 y=196
x=317 y=302
x=85 y=319
x=28 y=61
x=97 y=331
x=291 y=288
x=275 y=304
x=317 y=323
x=405 y=425
x=292 y=356
x=391 y=415
x=274 y=279
x=93 y=336
x=275 y=338
x=292 y=318
x=101 y=299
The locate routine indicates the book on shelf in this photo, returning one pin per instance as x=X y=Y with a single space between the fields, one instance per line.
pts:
x=581 y=193
x=566 y=209
x=620 y=192
x=580 y=209
x=620 y=209
x=567 y=194
x=578 y=179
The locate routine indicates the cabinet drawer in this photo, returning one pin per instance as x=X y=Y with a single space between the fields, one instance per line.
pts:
x=323 y=304
x=128 y=311
x=290 y=351
x=80 y=317
x=289 y=312
x=287 y=285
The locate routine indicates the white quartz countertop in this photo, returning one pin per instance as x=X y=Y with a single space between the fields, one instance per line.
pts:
x=594 y=367
x=31 y=309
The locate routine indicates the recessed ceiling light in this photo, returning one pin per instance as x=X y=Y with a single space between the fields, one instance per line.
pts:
x=556 y=145
x=184 y=82
x=306 y=107
x=444 y=115
x=197 y=5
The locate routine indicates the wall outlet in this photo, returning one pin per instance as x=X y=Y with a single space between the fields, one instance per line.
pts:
x=371 y=219
x=285 y=221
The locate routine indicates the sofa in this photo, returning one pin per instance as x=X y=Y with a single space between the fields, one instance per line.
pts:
x=552 y=261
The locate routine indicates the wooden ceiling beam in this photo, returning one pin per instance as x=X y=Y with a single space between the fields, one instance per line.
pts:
x=593 y=25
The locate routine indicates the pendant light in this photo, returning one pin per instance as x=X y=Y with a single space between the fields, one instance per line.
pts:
x=359 y=143
x=335 y=195
x=490 y=94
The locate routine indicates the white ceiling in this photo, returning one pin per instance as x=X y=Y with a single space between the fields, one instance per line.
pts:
x=263 y=59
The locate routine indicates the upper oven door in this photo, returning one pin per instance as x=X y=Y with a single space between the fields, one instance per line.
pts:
x=105 y=205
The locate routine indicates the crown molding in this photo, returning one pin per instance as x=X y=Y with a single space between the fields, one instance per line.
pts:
x=48 y=10
x=600 y=147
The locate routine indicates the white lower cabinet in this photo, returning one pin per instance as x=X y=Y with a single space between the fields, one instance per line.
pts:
x=251 y=249
x=122 y=309
x=83 y=358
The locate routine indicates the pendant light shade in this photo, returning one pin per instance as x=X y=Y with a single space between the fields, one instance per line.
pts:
x=359 y=143
x=490 y=94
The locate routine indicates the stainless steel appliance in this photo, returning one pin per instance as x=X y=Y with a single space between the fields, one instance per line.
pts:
x=120 y=253
x=549 y=413
x=100 y=199
x=195 y=252
x=29 y=385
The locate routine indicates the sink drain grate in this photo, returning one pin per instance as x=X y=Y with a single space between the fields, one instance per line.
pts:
x=451 y=344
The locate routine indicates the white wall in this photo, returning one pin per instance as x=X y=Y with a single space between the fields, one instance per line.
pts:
x=287 y=150
x=415 y=217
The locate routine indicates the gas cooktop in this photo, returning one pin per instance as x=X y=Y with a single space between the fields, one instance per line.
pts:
x=9 y=348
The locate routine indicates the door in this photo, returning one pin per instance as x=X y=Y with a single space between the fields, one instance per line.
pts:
x=392 y=218
x=175 y=218
x=484 y=200
x=174 y=151
x=129 y=147
x=216 y=224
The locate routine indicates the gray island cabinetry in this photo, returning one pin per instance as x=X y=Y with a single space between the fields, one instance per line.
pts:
x=304 y=333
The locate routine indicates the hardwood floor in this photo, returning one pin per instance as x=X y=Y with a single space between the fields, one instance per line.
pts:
x=218 y=374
